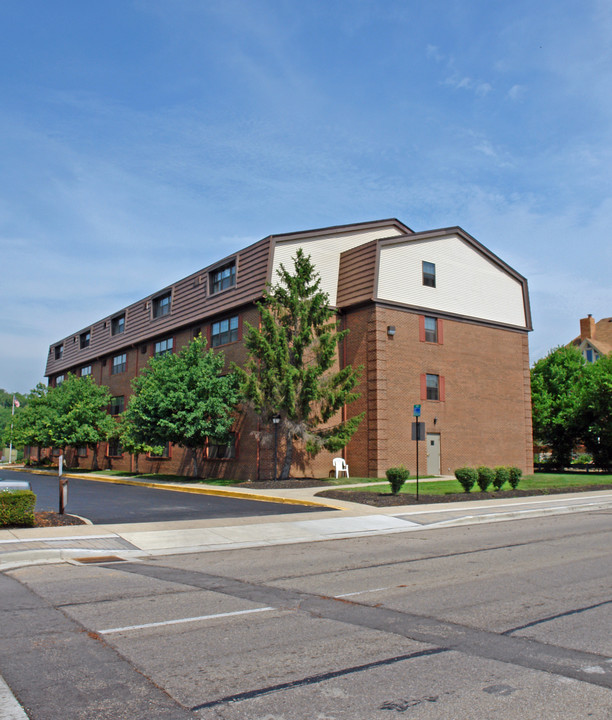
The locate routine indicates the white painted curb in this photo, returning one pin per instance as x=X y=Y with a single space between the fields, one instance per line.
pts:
x=10 y=709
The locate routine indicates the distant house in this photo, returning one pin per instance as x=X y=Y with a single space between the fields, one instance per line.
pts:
x=434 y=319
x=595 y=339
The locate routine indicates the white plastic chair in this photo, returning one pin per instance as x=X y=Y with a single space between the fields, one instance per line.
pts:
x=340 y=467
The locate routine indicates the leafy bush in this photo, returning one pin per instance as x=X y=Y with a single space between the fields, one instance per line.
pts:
x=583 y=459
x=502 y=475
x=467 y=478
x=397 y=476
x=515 y=477
x=17 y=508
x=485 y=477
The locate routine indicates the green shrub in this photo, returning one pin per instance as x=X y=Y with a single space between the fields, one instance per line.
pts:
x=502 y=475
x=485 y=477
x=515 y=477
x=397 y=476
x=583 y=459
x=467 y=478
x=17 y=508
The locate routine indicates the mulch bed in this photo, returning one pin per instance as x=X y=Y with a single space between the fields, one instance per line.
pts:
x=389 y=500
x=284 y=484
x=50 y=519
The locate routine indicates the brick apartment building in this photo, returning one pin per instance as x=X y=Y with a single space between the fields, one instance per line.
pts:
x=434 y=317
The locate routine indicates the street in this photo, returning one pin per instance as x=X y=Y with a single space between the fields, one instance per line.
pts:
x=496 y=620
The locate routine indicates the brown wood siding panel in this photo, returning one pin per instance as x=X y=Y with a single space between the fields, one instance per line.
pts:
x=190 y=304
x=356 y=277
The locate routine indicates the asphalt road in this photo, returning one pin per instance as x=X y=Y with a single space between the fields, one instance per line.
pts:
x=501 y=620
x=111 y=503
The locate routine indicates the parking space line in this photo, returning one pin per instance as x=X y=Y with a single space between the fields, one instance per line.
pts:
x=182 y=620
x=363 y=592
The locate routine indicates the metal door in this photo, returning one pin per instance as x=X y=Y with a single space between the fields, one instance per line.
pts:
x=433 y=453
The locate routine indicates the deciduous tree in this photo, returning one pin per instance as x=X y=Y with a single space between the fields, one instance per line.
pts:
x=595 y=411
x=556 y=398
x=183 y=398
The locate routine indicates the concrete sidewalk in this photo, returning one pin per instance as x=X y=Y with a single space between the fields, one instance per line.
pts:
x=346 y=520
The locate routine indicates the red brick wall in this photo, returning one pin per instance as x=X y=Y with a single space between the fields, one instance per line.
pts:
x=485 y=417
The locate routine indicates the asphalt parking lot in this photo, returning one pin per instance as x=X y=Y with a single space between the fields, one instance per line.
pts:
x=103 y=502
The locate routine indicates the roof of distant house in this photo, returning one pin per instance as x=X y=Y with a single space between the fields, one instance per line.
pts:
x=596 y=334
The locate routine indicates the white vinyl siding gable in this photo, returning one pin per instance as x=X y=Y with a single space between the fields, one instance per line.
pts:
x=467 y=282
x=325 y=253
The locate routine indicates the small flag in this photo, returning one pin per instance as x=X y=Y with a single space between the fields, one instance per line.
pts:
x=16 y=402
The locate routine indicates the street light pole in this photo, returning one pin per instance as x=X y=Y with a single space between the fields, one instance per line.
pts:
x=275 y=420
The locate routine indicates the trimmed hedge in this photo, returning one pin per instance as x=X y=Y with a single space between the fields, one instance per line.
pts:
x=397 y=476
x=515 y=477
x=502 y=476
x=17 y=508
x=485 y=477
x=467 y=478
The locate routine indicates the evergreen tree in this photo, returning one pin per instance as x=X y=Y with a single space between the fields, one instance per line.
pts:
x=289 y=371
x=182 y=398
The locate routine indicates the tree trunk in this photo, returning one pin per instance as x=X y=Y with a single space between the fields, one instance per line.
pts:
x=135 y=456
x=194 y=457
x=94 y=463
x=286 y=469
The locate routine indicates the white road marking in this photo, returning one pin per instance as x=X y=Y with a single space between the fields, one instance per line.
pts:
x=594 y=669
x=362 y=592
x=182 y=620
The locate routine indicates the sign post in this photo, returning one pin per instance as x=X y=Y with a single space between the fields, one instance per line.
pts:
x=416 y=433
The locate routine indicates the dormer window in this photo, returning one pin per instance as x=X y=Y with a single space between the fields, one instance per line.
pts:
x=85 y=339
x=223 y=277
x=59 y=352
x=118 y=324
x=162 y=304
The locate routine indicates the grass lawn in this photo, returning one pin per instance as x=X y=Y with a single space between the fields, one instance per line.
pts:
x=529 y=482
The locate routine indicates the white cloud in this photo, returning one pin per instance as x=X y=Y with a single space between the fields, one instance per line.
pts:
x=517 y=92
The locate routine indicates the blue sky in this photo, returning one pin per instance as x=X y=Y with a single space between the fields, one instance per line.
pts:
x=143 y=139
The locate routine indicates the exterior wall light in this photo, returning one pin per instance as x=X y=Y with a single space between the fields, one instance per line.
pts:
x=390 y=330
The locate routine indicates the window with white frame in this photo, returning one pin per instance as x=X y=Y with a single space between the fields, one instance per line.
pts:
x=86 y=370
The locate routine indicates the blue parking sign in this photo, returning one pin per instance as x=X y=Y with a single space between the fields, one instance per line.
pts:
x=417 y=411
